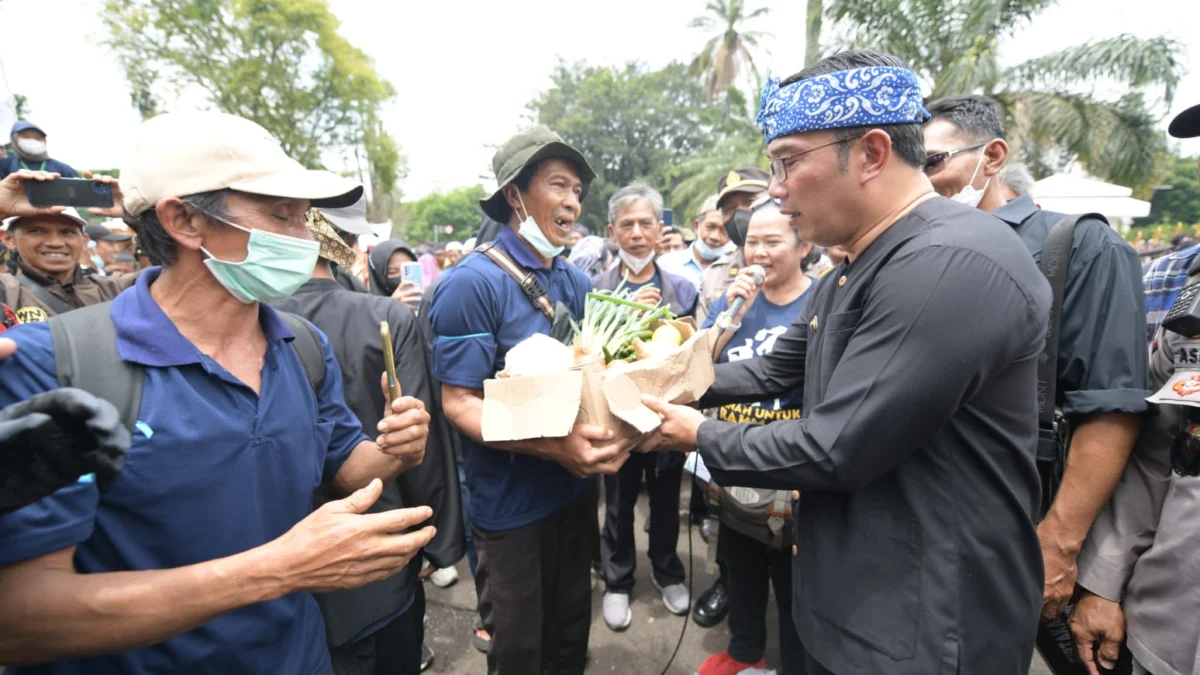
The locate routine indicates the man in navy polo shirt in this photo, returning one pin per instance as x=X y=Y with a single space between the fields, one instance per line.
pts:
x=528 y=511
x=202 y=556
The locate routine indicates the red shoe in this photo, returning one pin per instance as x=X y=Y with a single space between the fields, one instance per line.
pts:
x=724 y=664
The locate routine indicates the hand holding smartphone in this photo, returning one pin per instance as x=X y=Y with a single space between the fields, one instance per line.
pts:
x=69 y=192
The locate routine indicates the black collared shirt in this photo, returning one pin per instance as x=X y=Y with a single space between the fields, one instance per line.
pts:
x=1102 y=357
x=915 y=545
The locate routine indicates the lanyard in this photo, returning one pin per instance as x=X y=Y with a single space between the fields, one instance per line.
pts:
x=26 y=166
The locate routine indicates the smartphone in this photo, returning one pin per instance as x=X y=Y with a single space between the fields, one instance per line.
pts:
x=389 y=362
x=411 y=272
x=68 y=192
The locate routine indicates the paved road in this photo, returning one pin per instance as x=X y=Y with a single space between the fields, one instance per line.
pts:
x=643 y=649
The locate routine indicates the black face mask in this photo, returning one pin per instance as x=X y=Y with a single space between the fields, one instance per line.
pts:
x=737 y=226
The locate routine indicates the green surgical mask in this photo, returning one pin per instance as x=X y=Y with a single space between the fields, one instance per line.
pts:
x=275 y=266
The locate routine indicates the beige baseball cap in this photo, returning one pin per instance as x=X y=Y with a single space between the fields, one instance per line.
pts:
x=179 y=154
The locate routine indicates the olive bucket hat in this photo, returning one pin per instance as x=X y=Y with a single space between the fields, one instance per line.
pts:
x=527 y=148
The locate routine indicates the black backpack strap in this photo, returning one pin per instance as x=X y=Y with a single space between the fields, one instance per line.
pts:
x=527 y=281
x=44 y=295
x=308 y=347
x=1056 y=258
x=86 y=357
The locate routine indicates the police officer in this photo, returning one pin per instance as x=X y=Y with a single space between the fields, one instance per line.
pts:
x=1133 y=568
x=914 y=548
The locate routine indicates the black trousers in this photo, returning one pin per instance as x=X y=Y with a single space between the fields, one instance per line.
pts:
x=617 y=551
x=593 y=525
x=394 y=649
x=751 y=567
x=535 y=593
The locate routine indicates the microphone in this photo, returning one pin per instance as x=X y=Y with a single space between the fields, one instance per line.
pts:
x=758 y=274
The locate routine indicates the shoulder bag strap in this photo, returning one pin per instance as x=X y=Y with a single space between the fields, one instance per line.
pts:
x=308 y=347
x=44 y=295
x=526 y=280
x=86 y=357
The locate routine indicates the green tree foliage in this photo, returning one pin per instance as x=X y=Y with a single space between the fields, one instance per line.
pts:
x=427 y=217
x=280 y=63
x=1052 y=105
x=636 y=124
x=726 y=55
x=1178 y=199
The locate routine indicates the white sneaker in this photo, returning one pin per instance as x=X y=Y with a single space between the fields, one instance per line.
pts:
x=675 y=597
x=445 y=577
x=616 y=611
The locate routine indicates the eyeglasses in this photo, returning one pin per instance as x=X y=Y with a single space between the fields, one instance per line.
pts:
x=779 y=165
x=931 y=161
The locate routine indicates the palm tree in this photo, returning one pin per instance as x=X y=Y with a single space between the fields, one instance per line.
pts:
x=1051 y=108
x=727 y=53
x=815 y=12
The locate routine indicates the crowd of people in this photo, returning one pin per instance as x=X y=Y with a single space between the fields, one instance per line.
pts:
x=945 y=422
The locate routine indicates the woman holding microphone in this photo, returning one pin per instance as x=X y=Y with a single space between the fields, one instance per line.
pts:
x=753 y=551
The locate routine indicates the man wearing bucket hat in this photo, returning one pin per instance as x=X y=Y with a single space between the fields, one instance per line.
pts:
x=528 y=510
x=380 y=623
x=204 y=553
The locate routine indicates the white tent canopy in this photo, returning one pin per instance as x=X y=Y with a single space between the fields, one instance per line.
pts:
x=1066 y=193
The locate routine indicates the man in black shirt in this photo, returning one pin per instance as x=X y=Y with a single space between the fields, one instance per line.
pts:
x=1102 y=358
x=377 y=629
x=915 y=550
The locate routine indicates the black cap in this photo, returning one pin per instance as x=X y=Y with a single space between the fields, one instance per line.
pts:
x=1186 y=124
x=102 y=233
x=748 y=179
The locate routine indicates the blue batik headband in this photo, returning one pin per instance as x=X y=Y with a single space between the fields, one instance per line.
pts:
x=870 y=96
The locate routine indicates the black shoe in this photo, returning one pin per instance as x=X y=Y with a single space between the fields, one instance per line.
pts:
x=711 y=606
x=426 y=657
x=705 y=528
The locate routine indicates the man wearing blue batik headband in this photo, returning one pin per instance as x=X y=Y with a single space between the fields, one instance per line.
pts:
x=915 y=550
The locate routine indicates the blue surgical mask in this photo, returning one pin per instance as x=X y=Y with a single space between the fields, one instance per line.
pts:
x=275 y=266
x=532 y=234
x=709 y=253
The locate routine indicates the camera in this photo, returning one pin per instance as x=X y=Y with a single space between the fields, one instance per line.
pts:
x=1184 y=316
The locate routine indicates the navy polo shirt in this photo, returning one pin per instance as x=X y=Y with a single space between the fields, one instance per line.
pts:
x=214 y=470
x=478 y=314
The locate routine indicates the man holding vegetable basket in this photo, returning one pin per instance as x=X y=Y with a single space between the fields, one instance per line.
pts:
x=528 y=510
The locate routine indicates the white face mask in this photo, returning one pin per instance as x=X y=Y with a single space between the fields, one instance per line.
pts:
x=635 y=265
x=970 y=195
x=31 y=146
x=709 y=253
x=533 y=234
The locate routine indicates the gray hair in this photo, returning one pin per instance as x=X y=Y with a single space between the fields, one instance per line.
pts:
x=1016 y=177
x=626 y=196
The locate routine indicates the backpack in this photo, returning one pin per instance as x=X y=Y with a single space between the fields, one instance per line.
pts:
x=85 y=355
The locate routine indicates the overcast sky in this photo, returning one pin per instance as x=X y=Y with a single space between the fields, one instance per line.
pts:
x=464 y=71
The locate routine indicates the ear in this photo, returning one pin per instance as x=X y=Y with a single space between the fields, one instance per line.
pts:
x=510 y=195
x=183 y=224
x=872 y=155
x=612 y=234
x=995 y=155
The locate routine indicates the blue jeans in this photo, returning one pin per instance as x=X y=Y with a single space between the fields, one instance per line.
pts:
x=472 y=558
